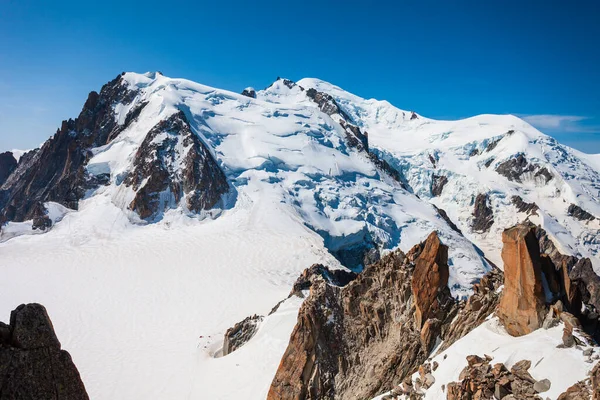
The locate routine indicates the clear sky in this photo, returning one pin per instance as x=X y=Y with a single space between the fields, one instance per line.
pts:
x=444 y=59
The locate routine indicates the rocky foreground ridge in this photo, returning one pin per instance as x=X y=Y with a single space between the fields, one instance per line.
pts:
x=32 y=363
x=359 y=340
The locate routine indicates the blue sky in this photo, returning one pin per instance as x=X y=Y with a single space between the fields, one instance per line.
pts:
x=444 y=59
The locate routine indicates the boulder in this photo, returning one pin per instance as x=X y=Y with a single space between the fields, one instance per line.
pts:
x=522 y=305
x=240 y=334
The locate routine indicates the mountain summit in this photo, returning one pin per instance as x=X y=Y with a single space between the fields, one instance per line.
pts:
x=167 y=204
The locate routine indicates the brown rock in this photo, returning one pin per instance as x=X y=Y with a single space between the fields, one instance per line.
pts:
x=362 y=339
x=522 y=305
x=429 y=279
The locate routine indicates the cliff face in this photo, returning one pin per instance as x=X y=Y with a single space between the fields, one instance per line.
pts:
x=522 y=307
x=32 y=364
x=56 y=172
x=359 y=340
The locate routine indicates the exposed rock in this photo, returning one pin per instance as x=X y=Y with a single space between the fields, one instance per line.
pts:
x=514 y=168
x=579 y=391
x=481 y=381
x=41 y=221
x=430 y=280
x=355 y=137
x=489 y=162
x=484 y=216
x=432 y=160
x=437 y=184
x=32 y=364
x=290 y=84
x=384 y=166
x=522 y=206
x=249 y=92
x=474 y=152
x=522 y=306
x=552 y=259
x=544 y=174
x=326 y=103
x=8 y=163
x=56 y=172
x=595 y=381
x=240 y=334
x=360 y=340
x=442 y=213
x=159 y=185
x=492 y=145
x=337 y=277
x=579 y=213
x=476 y=309
x=413 y=115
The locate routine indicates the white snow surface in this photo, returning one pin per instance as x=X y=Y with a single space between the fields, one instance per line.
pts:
x=142 y=307
x=563 y=367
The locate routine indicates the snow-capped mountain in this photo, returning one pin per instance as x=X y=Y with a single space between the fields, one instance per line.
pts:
x=172 y=206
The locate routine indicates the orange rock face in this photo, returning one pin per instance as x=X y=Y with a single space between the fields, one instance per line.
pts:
x=522 y=306
x=429 y=278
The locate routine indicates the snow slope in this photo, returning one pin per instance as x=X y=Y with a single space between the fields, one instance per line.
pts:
x=539 y=347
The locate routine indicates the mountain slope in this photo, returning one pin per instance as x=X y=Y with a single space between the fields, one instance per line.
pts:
x=168 y=211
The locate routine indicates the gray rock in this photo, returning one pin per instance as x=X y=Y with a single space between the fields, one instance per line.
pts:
x=542 y=386
x=32 y=364
x=588 y=352
x=240 y=334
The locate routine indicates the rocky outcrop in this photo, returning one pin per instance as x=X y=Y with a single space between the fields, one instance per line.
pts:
x=56 y=172
x=483 y=214
x=41 y=220
x=240 y=333
x=476 y=309
x=514 y=168
x=32 y=364
x=522 y=306
x=480 y=380
x=163 y=175
x=524 y=207
x=442 y=213
x=326 y=103
x=586 y=389
x=249 y=92
x=355 y=137
x=579 y=213
x=357 y=341
x=430 y=281
x=336 y=277
x=8 y=163
x=437 y=184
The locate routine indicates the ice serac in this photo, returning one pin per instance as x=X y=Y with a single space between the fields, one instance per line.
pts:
x=522 y=306
x=56 y=172
x=172 y=163
x=357 y=341
x=32 y=364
